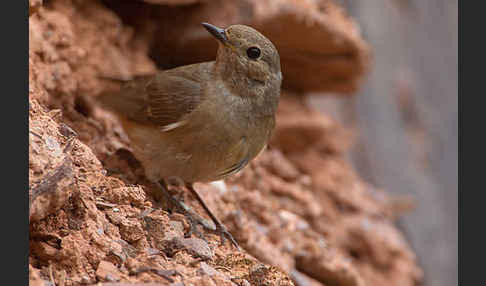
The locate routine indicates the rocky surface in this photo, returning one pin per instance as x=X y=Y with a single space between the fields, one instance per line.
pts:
x=300 y=213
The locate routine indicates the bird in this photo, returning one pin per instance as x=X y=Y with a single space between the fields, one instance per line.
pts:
x=205 y=121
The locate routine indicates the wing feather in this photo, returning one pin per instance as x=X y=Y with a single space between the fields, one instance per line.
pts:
x=163 y=99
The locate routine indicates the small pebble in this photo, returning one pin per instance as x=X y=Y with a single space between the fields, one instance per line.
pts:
x=52 y=144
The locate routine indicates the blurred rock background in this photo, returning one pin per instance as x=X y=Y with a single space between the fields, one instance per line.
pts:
x=406 y=117
x=366 y=134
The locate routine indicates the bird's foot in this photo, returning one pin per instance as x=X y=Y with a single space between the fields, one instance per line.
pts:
x=224 y=233
x=194 y=219
x=221 y=230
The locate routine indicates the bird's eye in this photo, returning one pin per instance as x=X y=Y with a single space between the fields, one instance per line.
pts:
x=253 y=53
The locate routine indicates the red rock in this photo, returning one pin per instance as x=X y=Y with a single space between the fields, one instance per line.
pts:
x=280 y=166
x=195 y=246
x=107 y=272
x=330 y=269
x=34 y=277
x=45 y=251
x=290 y=197
x=172 y=2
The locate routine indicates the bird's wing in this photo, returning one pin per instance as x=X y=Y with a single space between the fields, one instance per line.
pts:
x=238 y=155
x=233 y=169
x=160 y=100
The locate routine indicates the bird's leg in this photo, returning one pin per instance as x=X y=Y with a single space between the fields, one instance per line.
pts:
x=220 y=228
x=173 y=203
x=177 y=205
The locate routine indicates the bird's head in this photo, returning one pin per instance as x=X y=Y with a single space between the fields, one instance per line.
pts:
x=247 y=58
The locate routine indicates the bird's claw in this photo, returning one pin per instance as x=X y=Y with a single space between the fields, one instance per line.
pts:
x=193 y=222
x=224 y=233
x=220 y=230
x=194 y=219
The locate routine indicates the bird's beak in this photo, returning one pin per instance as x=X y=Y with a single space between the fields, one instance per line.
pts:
x=218 y=33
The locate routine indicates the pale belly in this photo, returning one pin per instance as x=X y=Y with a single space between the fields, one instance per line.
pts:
x=198 y=155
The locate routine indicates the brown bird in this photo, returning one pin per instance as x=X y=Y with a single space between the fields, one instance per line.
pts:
x=205 y=121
